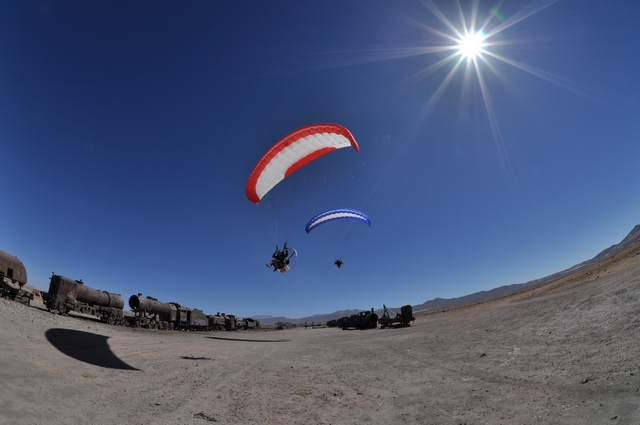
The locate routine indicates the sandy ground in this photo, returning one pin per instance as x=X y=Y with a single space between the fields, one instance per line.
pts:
x=565 y=354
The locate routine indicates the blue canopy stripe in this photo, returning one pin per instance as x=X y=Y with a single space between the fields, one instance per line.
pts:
x=342 y=213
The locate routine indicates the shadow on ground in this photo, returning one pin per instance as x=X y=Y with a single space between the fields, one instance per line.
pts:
x=86 y=347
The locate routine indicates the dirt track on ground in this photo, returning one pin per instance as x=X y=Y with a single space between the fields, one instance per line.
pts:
x=564 y=354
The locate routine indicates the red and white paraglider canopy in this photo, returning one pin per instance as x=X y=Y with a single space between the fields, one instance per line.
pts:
x=292 y=152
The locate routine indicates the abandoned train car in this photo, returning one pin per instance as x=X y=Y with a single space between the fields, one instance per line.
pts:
x=13 y=277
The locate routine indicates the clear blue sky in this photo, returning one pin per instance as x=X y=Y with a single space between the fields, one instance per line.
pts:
x=128 y=130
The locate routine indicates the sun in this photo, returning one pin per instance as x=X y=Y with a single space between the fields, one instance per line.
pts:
x=472 y=44
x=470 y=49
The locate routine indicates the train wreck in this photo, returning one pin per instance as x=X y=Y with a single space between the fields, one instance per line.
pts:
x=66 y=295
x=13 y=277
x=370 y=320
x=153 y=314
x=361 y=320
x=404 y=318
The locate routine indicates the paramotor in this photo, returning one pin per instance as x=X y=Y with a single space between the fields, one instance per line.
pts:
x=283 y=260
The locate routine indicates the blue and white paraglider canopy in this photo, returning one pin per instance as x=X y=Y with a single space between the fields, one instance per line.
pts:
x=338 y=214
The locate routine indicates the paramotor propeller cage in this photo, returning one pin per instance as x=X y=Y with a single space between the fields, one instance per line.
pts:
x=290 y=261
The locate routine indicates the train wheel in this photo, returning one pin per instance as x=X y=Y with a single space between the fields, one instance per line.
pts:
x=112 y=319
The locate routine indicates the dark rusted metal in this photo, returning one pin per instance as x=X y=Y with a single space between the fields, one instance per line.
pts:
x=250 y=323
x=67 y=295
x=231 y=322
x=247 y=323
x=362 y=320
x=197 y=319
x=217 y=322
x=150 y=305
x=193 y=319
x=404 y=318
x=13 y=268
x=13 y=276
x=151 y=313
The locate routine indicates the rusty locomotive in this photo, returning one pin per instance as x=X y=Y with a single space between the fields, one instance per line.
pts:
x=248 y=323
x=361 y=320
x=13 y=277
x=223 y=322
x=150 y=313
x=154 y=314
x=67 y=295
x=370 y=320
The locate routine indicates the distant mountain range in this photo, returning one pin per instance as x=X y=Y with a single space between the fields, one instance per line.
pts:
x=441 y=304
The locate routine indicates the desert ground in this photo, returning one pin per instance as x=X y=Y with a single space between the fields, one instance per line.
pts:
x=565 y=353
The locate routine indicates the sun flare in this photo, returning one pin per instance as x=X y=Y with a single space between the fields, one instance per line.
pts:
x=472 y=44
x=471 y=50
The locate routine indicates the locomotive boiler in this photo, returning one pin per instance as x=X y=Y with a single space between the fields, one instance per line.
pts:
x=151 y=313
x=66 y=295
